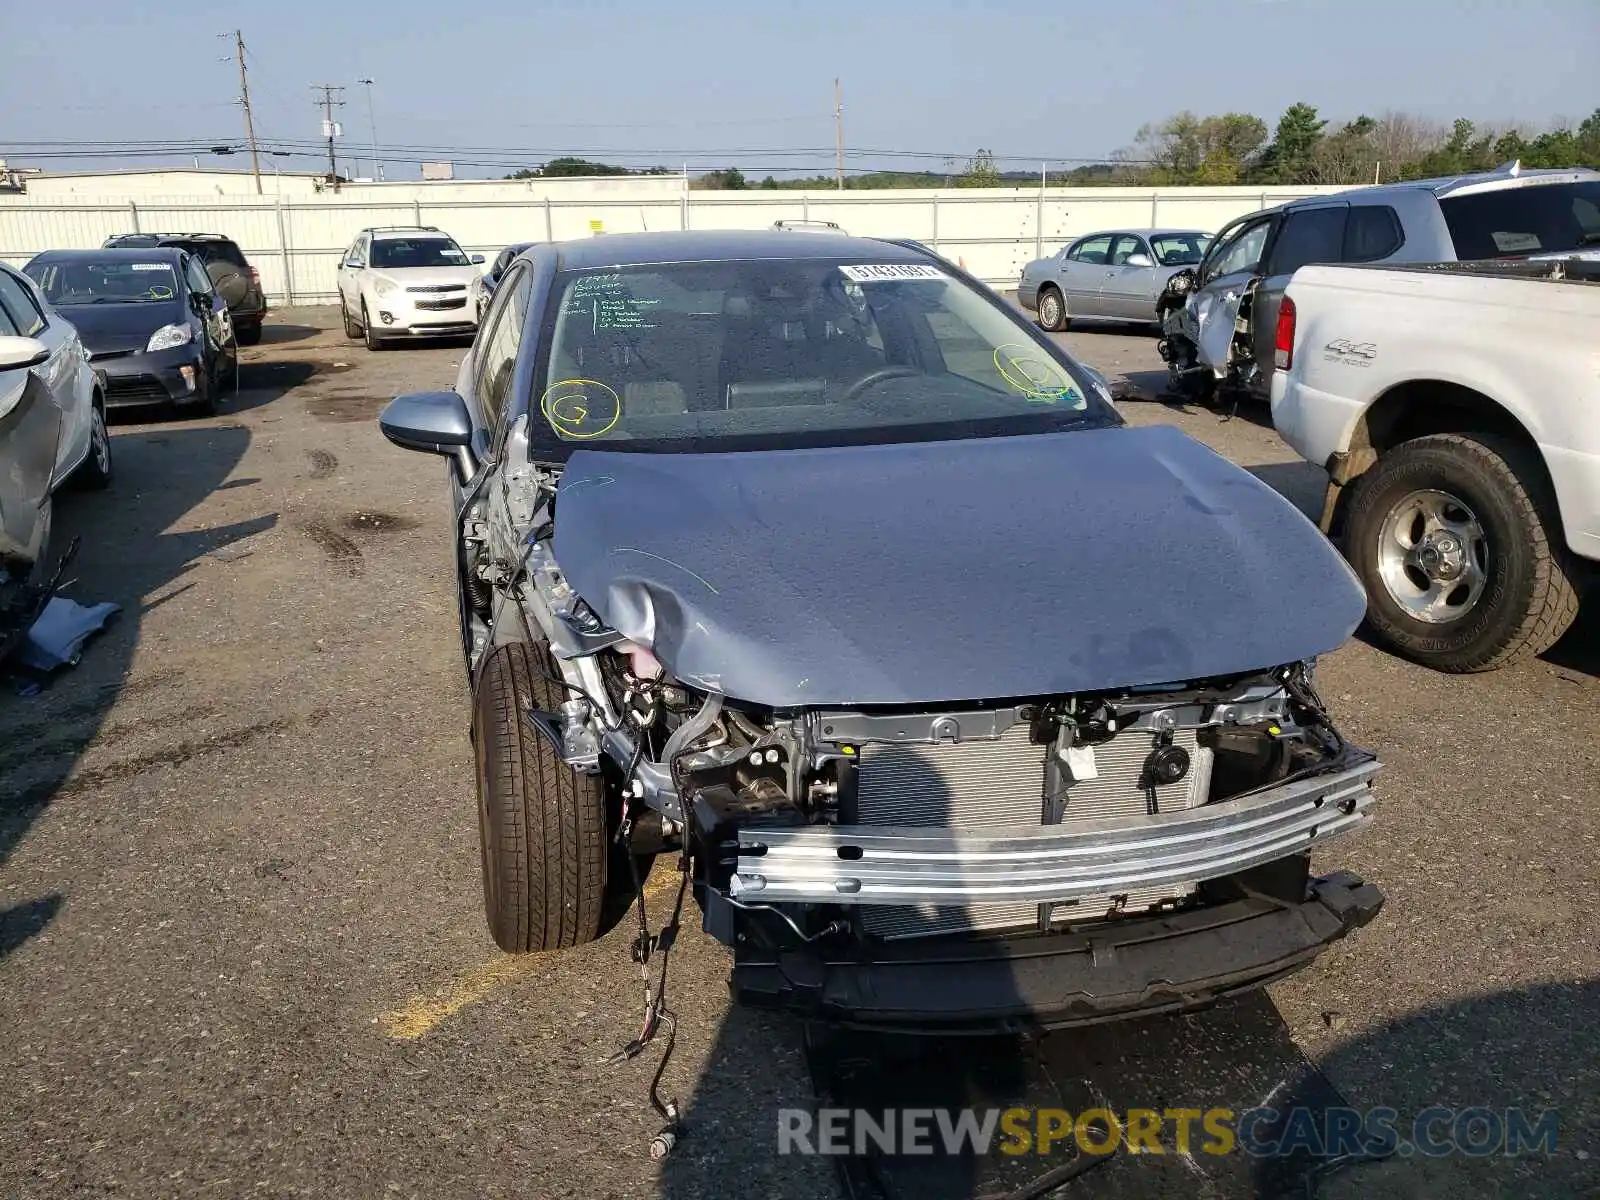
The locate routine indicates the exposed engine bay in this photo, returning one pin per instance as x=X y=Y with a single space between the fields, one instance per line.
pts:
x=1206 y=337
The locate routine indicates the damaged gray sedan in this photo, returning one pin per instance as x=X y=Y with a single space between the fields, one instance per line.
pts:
x=803 y=559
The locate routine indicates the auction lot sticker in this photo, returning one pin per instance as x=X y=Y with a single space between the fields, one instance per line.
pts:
x=863 y=273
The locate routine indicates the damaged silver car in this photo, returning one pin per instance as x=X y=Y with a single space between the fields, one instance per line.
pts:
x=803 y=559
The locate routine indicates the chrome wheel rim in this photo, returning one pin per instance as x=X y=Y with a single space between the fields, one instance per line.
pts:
x=1049 y=309
x=101 y=444
x=1433 y=556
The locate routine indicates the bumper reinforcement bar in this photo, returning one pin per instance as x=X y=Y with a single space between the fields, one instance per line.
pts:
x=861 y=865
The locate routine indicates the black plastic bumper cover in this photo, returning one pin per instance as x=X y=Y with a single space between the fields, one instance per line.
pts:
x=1123 y=969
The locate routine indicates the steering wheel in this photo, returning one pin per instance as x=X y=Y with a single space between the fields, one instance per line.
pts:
x=873 y=378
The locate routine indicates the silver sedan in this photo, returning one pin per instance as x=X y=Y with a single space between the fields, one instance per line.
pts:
x=1111 y=276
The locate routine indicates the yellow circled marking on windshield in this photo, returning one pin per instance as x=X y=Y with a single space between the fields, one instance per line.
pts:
x=1014 y=360
x=567 y=414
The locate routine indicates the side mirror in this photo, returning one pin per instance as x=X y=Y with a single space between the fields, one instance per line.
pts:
x=1139 y=260
x=477 y=260
x=432 y=422
x=20 y=353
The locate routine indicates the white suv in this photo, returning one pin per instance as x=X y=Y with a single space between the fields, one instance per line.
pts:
x=407 y=281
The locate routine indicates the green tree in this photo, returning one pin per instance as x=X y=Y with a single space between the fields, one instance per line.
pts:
x=729 y=180
x=980 y=171
x=1288 y=157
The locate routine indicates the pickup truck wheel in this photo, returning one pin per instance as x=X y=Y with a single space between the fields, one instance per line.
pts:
x=1456 y=541
x=542 y=825
x=1052 y=309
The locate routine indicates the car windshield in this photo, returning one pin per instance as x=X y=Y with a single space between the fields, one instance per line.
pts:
x=765 y=354
x=1179 y=249
x=92 y=281
x=1546 y=218
x=417 y=252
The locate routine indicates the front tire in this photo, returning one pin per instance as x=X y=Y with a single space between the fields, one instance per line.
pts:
x=352 y=329
x=542 y=825
x=95 y=473
x=373 y=341
x=1456 y=540
x=1052 y=310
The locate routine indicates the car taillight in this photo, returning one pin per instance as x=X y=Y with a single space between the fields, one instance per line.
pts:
x=1283 y=345
x=255 y=275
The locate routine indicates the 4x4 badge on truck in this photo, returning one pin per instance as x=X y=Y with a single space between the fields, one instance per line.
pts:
x=1356 y=353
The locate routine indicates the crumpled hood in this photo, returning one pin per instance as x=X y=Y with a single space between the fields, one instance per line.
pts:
x=120 y=328
x=946 y=571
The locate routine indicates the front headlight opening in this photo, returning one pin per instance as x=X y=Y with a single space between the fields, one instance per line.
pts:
x=384 y=287
x=169 y=336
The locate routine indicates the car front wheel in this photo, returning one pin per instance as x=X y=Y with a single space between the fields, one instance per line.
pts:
x=542 y=825
x=1456 y=540
x=95 y=473
x=1052 y=310
x=374 y=342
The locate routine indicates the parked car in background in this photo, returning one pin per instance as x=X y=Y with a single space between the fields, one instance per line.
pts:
x=1220 y=322
x=487 y=281
x=232 y=276
x=1115 y=276
x=769 y=566
x=1454 y=409
x=52 y=429
x=402 y=281
x=155 y=329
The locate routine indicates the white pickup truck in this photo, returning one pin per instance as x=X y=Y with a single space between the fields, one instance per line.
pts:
x=1456 y=409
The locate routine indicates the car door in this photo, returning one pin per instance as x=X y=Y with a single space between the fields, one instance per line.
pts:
x=60 y=373
x=1305 y=236
x=30 y=437
x=1082 y=271
x=216 y=327
x=354 y=260
x=1131 y=284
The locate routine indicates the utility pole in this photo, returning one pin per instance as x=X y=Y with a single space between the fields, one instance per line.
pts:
x=328 y=103
x=244 y=102
x=838 y=135
x=372 y=122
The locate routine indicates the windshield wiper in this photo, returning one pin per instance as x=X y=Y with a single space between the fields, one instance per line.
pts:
x=1588 y=239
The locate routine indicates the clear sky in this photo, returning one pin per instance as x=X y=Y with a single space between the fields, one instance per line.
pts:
x=697 y=80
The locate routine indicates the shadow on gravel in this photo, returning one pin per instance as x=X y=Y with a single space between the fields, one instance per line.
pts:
x=262 y=383
x=1579 y=650
x=274 y=334
x=1531 y=1050
x=128 y=555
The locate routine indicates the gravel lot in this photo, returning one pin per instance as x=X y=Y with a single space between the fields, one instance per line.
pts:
x=241 y=945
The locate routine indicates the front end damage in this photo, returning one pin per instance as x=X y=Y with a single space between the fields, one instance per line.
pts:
x=1020 y=864
x=1206 y=337
x=1081 y=842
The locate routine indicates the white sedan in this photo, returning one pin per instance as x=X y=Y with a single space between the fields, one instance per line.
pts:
x=52 y=428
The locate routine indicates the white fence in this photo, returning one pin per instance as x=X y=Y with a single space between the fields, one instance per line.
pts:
x=295 y=242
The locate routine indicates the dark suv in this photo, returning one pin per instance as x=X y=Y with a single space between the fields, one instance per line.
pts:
x=234 y=279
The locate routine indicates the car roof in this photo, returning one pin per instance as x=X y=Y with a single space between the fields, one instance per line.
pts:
x=406 y=231
x=170 y=254
x=1509 y=176
x=1162 y=231
x=636 y=249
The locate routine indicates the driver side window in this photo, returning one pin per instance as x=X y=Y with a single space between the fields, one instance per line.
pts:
x=497 y=349
x=1242 y=251
x=199 y=281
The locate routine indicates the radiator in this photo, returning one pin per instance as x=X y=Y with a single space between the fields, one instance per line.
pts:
x=987 y=784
